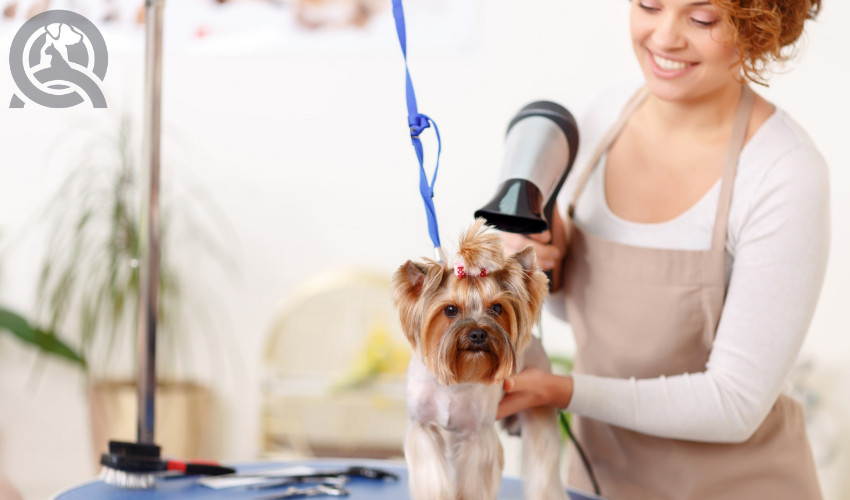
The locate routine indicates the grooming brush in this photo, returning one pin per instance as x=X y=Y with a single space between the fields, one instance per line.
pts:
x=135 y=466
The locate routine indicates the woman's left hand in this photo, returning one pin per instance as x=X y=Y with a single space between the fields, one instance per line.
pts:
x=533 y=387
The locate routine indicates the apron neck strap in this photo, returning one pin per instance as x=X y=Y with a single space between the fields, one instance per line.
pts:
x=606 y=142
x=730 y=167
x=736 y=142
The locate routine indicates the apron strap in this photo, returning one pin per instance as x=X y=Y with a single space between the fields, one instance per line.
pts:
x=606 y=142
x=736 y=143
x=730 y=168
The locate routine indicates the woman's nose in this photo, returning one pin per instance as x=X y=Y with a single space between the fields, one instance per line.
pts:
x=668 y=33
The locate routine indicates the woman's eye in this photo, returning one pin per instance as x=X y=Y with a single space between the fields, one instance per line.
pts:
x=647 y=7
x=703 y=23
x=496 y=309
x=451 y=311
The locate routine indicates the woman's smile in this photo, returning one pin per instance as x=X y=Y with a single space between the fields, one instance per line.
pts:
x=684 y=52
x=666 y=67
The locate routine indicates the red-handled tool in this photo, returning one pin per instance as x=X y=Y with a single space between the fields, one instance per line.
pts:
x=134 y=465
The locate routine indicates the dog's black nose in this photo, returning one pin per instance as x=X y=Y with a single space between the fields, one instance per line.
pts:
x=477 y=336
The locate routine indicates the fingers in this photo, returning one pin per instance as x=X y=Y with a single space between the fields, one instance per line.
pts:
x=559 y=234
x=544 y=237
x=520 y=393
x=520 y=381
x=517 y=397
x=533 y=387
x=510 y=403
x=513 y=403
x=548 y=255
x=514 y=243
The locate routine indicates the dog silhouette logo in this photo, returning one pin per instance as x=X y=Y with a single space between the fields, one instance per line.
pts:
x=58 y=59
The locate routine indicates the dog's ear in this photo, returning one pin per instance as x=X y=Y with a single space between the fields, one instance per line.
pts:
x=408 y=279
x=408 y=282
x=536 y=282
x=527 y=259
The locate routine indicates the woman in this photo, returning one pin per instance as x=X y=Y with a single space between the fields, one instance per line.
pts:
x=692 y=256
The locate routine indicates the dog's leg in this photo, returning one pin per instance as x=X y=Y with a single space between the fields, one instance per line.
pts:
x=541 y=440
x=541 y=454
x=427 y=466
x=479 y=465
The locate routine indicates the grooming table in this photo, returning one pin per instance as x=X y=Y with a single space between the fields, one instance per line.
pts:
x=186 y=488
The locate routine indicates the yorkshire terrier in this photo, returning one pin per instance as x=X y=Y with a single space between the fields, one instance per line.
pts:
x=470 y=328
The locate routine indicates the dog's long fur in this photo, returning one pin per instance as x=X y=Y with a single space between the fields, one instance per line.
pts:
x=470 y=329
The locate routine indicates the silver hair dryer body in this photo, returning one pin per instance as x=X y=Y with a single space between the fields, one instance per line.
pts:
x=540 y=147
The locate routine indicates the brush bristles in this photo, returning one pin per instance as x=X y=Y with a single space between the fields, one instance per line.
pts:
x=129 y=480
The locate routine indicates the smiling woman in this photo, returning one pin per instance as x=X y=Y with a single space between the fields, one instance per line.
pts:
x=692 y=255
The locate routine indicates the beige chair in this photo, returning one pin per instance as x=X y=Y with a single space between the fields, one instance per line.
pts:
x=335 y=360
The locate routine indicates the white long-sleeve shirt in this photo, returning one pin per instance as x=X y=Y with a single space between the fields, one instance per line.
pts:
x=777 y=248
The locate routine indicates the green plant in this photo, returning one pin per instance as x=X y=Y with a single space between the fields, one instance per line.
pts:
x=44 y=340
x=89 y=277
x=563 y=365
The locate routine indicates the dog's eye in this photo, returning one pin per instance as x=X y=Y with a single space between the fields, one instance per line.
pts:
x=496 y=309
x=451 y=311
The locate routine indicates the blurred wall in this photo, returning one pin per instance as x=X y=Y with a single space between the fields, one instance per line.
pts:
x=304 y=151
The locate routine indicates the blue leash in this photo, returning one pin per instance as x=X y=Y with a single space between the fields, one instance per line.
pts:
x=418 y=122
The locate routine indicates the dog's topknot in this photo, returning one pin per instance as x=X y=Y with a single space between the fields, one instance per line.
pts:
x=480 y=249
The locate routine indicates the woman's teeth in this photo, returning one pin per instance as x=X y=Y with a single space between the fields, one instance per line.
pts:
x=668 y=64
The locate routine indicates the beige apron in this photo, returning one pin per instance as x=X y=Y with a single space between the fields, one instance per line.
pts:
x=643 y=312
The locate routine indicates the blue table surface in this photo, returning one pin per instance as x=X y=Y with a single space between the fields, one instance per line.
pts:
x=187 y=487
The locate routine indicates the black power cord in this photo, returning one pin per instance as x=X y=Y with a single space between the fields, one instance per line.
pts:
x=566 y=425
x=581 y=453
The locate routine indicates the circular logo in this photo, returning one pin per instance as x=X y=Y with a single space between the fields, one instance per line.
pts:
x=58 y=59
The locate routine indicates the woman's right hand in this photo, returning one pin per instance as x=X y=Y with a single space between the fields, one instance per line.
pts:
x=548 y=254
x=550 y=246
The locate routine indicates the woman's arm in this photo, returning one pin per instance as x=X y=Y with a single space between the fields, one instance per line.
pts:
x=779 y=266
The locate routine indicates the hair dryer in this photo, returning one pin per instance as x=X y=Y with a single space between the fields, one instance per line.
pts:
x=540 y=147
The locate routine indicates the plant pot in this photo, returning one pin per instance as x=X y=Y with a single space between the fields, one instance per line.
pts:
x=182 y=410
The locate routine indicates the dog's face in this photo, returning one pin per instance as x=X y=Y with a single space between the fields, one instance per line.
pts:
x=468 y=323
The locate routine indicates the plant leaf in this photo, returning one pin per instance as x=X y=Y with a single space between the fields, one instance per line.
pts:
x=561 y=363
x=50 y=343
x=44 y=340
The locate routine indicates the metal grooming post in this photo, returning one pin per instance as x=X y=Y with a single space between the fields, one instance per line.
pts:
x=150 y=229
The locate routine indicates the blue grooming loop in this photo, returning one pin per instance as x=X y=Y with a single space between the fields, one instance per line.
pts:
x=186 y=488
x=418 y=122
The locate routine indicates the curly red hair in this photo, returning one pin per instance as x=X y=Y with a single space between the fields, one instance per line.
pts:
x=763 y=31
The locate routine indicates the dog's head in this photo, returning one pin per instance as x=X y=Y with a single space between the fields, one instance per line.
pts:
x=467 y=324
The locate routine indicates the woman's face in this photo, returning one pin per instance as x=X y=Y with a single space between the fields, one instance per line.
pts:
x=682 y=47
